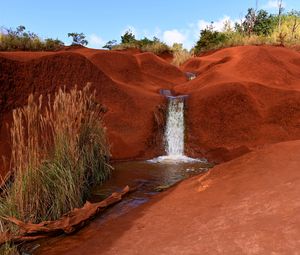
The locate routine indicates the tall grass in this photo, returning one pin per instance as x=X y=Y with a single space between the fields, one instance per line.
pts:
x=58 y=152
x=20 y=39
x=154 y=47
x=13 y=43
x=9 y=249
x=180 y=57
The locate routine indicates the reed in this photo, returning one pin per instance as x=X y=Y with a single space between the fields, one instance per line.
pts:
x=59 y=150
x=180 y=57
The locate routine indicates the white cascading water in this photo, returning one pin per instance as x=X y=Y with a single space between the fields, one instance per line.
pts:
x=174 y=134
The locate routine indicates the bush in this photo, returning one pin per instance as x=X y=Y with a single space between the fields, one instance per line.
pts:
x=58 y=152
x=128 y=37
x=258 y=28
x=209 y=39
x=180 y=55
x=78 y=39
x=156 y=47
x=264 y=23
x=128 y=41
x=20 y=39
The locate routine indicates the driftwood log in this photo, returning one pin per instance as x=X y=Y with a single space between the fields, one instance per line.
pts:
x=68 y=223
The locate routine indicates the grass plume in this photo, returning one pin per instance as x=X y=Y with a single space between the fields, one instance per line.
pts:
x=58 y=151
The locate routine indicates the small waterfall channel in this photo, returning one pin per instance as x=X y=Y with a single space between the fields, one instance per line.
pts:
x=174 y=134
x=148 y=177
x=175 y=130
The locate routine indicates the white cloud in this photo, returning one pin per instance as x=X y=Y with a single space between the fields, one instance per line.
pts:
x=173 y=36
x=272 y=4
x=95 y=41
x=218 y=25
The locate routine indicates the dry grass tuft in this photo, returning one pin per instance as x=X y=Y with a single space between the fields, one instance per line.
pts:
x=180 y=57
x=58 y=152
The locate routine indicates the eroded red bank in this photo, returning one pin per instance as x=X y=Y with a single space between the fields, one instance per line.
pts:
x=250 y=205
x=243 y=98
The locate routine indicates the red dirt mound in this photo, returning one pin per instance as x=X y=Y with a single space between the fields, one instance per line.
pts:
x=123 y=85
x=249 y=205
x=242 y=97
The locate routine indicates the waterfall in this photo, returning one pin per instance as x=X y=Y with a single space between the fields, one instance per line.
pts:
x=174 y=134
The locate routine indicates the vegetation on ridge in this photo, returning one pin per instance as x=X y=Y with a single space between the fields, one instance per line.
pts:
x=78 y=39
x=257 y=28
x=128 y=41
x=20 y=39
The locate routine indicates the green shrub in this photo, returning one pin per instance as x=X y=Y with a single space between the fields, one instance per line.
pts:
x=128 y=41
x=78 y=39
x=128 y=37
x=209 y=39
x=258 y=28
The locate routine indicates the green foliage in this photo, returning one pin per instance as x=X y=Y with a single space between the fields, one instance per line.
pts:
x=20 y=39
x=249 y=22
x=110 y=44
x=128 y=37
x=260 y=23
x=209 y=39
x=257 y=28
x=52 y=44
x=78 y=39
x=128 y=41
x=264 y=23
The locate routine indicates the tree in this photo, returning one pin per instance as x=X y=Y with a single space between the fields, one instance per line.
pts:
x=227 y=28
x=209 y=39
x=263 y=23
x=110 y=44
x=295 y=22
x=249 y=22
x=78 y=39
x=128 y=37
x=280 y=11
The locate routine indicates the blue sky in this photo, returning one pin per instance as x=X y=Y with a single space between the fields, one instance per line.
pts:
x=101 y=21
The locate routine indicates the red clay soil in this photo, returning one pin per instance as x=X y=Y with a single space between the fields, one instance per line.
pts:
x=242 y=97
x=127 y=85
x=250 y=205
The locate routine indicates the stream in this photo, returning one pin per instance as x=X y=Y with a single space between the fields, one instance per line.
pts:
x=147 y=178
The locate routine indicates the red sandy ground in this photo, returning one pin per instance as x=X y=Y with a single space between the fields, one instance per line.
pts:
x=244 y=98
x=127 y=84
x=250 y=205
